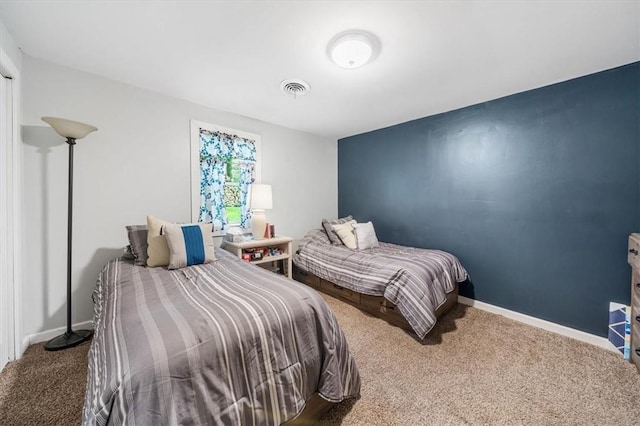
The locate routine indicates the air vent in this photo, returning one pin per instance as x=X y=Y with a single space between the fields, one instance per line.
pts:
x=294 y=87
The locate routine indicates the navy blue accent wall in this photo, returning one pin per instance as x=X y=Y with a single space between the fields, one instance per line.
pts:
x=536 y=193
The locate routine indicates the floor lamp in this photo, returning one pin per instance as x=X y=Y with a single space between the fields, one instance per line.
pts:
x=71 y=130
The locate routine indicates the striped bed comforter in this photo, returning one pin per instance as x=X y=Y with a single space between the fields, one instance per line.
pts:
x=221 y=343
x=416 y=280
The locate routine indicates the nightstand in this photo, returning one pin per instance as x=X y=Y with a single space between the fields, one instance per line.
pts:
x=281 y=245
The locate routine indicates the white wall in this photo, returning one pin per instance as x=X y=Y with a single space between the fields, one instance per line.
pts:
x=9 y=46
x=136 y=163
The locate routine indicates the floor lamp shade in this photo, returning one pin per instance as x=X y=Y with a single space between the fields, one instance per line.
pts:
x=68 y=128
x=72 y=130
x=261 y=200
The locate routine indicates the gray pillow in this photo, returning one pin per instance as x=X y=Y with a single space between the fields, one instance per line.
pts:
x=137 y=235
x=128 y=254
x=333 y=236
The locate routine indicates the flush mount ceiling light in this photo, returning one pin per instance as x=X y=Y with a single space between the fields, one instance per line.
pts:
x=294 y=87
x=354 y=48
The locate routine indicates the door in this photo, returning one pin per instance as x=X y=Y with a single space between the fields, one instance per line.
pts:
x=6 y=228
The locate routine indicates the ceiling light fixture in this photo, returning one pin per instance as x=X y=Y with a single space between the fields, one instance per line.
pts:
x=353 y=49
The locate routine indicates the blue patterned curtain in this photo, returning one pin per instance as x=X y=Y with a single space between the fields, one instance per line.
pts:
x=212 y=177
x=216 y=149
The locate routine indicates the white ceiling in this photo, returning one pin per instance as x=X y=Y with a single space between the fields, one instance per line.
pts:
x=435 y=55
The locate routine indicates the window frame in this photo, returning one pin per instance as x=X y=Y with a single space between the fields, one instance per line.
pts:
x=195 y=160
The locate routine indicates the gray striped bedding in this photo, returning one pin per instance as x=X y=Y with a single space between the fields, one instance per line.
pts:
x=221 y=343
x=416 y=280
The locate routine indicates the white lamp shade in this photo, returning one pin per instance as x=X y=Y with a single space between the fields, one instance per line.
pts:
x=68 y=128
x=261 y=196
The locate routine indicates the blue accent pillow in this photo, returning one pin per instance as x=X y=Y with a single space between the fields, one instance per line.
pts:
x=190 y=244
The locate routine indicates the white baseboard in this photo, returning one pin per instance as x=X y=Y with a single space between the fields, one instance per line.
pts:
x=517 y=316
x=540 y=323
x=43 y=336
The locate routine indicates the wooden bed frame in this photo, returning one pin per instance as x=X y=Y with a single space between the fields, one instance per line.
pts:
x=374 y=305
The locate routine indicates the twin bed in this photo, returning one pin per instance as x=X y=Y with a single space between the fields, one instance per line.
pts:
x=217 y=343
x=407 y=286
x=232 y=343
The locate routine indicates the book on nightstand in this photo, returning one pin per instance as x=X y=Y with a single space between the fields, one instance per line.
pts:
x=270 y=230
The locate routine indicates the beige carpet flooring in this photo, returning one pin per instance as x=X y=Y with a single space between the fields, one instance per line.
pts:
x=44 y=388
x=473 y=368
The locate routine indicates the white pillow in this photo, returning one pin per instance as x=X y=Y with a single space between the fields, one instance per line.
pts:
x=345 y=232
x=365 y=235
x=189 y=244
x=157 y=249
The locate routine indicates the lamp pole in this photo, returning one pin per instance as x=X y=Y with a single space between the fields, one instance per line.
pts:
x=71 y=130
x=71 y=142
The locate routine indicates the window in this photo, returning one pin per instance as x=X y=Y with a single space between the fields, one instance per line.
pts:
x=232 y=203
x=224 y=162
